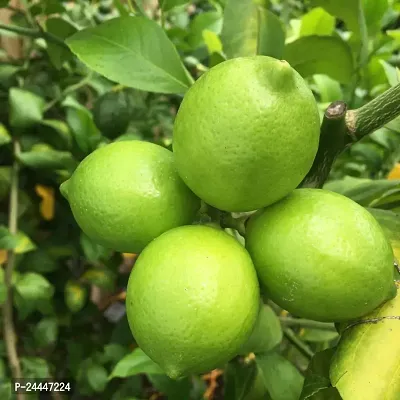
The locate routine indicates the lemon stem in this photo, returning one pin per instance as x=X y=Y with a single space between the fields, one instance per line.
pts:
x=299 y=344
x=8 y=322
x=307 y=323
x=341 y=128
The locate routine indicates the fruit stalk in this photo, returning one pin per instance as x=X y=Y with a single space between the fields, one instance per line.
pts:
x=307 y=323
x=341 y=128
x=299 y=344
x=9 y=329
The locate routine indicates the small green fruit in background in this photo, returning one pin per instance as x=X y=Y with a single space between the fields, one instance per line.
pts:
x=125 y=194
x=246 y=133
x=322 y=256
x=112 y=113
x=192 y=299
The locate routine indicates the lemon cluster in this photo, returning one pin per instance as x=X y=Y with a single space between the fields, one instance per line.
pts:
x=245 y=136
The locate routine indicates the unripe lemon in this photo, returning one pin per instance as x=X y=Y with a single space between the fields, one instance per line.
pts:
x=125 y=194
x=246 y=133
x=192 y=299
x=322 y=256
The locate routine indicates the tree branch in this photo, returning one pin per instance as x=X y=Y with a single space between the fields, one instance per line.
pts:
x=34 y=33
x=9 y=329
x=374 y=114
x=341 y=128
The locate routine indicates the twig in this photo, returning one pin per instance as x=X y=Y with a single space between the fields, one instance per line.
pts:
x=68 y=90
x=307 y=323
x=296 y=342
x=34 y=33
x=341 y=128
x=9 y=329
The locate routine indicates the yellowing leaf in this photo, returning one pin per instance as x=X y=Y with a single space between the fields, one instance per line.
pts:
x=395 y=172
x=366 y=363
x=47 y=203
x=24 y=245
x=75 y=295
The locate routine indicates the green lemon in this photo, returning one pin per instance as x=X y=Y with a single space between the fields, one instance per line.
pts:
x=192 y=299
x=125 y=194
x=246 y=133
x=112 y=113
x=322 y=256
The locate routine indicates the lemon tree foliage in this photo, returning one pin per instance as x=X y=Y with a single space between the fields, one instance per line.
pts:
x=101 y=285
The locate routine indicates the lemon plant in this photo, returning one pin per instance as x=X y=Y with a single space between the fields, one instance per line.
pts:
x=195 y=198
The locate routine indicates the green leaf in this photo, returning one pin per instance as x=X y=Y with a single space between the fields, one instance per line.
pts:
x=113 y=352
x=239 y=379
x=318 y=335
x=374 y=10
x=351 y=12
x=173 y=389
x=317 y=376
x=167 y=5
x=392 y=73
x=210 y=21
x=34 y=367
x=33 y=287
x=94 y=252
x=267 y=332
x=129 y=389
x=120 y=6
x=329 y=89
x=346 y=10
x=4 y=135
x=309 y=56
x=366 y=362
x=75 y=295
x=61 y=29
x=390 y=223
x=281 y=377
x=43 y=156
x=8 y=241
x=83 y=128
x=386 y=138
x=59 y=130
x=362 y=191
x=135 y=363
x=6 y=388
x=40 y=261
x=26 y=108
x=369 y=153
x=116 y=49
x=100 y=277
x=250 y=29
x=47 y=7
x=46 y=332
x=317 y=22
x=97 y=377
